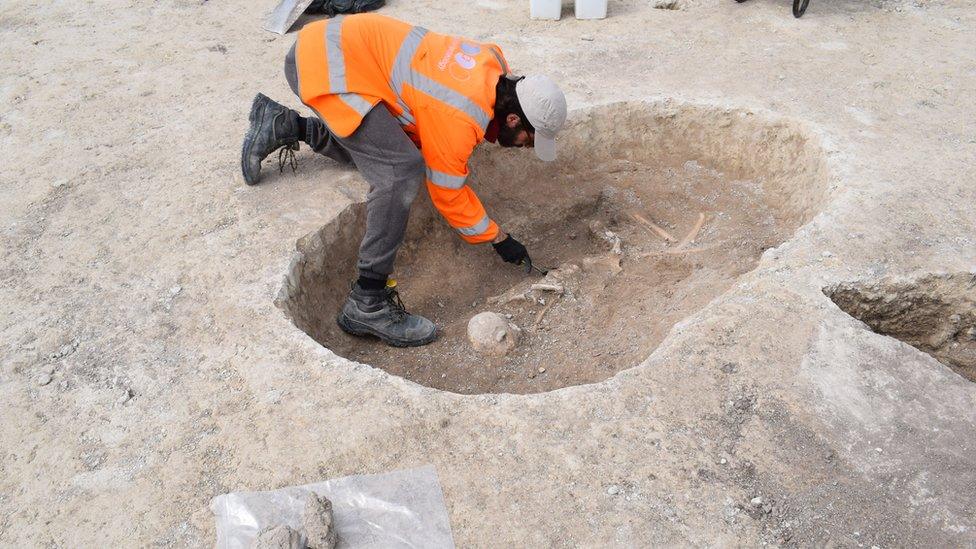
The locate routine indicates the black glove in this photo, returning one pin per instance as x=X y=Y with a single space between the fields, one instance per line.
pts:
x=511 y=250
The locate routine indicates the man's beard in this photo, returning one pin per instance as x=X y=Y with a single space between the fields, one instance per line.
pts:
x=507 y=136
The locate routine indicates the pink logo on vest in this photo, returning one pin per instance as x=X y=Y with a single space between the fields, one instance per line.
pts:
x=466 y=61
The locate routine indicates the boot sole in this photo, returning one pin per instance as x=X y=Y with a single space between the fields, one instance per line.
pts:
x=360 y=330
x=252 y=132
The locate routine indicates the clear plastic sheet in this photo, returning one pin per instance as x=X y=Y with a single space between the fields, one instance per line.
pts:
x=400 y=509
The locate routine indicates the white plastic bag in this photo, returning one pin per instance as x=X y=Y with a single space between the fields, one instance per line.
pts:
x=401 y=509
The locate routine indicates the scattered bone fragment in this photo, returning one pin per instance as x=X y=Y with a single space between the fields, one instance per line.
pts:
x=600 y=231
x=690 y=237
x=597 y=228
x=492 y=334
x=615 y=242
x=542 y=312
x=514 y=294
x=557 y=288
x=317 y=521
x=654 y=227
x=567 y=269
x=281 y=536
x=609 y=266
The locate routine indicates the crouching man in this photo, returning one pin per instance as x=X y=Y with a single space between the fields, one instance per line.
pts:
x=408 y=107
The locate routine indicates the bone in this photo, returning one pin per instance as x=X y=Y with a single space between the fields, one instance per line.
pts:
x=542 y=312
x=616 y=243
x=558 y=288
x=654 y=227
x=690 y=237
x=508 y=297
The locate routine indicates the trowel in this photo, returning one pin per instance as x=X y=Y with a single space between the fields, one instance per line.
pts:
x=284 y=16
x=529 y=267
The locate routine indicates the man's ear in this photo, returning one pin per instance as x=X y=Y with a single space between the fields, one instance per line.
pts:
x=512 y=120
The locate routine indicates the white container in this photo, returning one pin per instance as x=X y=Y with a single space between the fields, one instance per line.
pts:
x=545 y=9
x=591 y=9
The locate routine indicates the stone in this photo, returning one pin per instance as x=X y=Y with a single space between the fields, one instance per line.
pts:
x=281 y=536
x=613 y=490
x=318 y=523
x=492 y=334
x=125 y=396
x=44 y=379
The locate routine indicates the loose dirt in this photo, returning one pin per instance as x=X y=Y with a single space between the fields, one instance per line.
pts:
x=639 y=236
x=606 y=320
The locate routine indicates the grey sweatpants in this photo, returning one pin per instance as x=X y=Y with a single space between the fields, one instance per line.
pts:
x=388 y=161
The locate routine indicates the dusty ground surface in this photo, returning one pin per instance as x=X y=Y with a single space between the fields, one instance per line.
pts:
x=146 y=369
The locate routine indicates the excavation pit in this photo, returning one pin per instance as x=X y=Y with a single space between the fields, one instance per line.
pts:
x=935 y=313
x=652 y=210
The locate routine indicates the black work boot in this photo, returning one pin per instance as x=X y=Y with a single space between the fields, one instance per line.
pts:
x=380 y=313
x=272 y=126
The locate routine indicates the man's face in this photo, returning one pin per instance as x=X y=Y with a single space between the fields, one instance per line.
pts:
x=513 y=133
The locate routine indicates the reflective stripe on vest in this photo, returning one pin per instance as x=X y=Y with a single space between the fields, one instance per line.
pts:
x=337 y=69
x=475 y=229
x=447 y=181
x=501 y=62
x=447 y=95
x=356 y=102
x=333 y=52
x=403 y=72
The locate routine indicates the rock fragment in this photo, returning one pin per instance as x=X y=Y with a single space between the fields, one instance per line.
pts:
x=125 y=396
x=319 y=526
x=278 y=537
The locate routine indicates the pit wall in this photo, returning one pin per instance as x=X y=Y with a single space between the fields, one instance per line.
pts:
x=778 y=153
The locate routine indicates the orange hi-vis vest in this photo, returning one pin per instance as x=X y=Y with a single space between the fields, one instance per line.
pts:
x=441 y=88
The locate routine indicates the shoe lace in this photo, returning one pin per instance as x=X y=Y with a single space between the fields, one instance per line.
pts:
x=286 y=157
x=396 y=306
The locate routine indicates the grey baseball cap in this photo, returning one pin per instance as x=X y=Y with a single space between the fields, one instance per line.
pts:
x=545 y=106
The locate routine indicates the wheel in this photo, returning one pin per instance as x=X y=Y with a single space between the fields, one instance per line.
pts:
x=799 y=6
